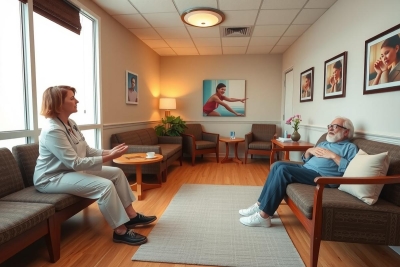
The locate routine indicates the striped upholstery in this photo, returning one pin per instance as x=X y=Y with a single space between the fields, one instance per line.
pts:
x=26 y=156
x=348 y=219
x=10 y=176
x=263 y=132
x=194 y=129
x=17 y=218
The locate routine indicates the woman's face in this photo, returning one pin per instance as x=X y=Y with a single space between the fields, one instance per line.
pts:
x=221 y=90
x=337 y=73
x=306 y=83
x=70 y=104
x=389 y=54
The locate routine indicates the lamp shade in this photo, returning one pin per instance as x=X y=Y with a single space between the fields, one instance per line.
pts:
x=167 y=103
x=203 y=17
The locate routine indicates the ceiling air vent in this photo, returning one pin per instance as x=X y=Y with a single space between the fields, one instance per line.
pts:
x=236 y=31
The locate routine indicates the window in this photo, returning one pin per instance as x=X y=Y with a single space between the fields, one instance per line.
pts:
x=11 y=68
x=61 y=58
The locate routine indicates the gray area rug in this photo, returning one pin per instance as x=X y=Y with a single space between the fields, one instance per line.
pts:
x=201 y=226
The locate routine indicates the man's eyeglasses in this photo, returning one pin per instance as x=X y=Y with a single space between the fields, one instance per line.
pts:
x=335 y=126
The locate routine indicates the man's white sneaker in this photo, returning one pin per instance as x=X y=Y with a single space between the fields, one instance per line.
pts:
x=250 y=210
x=256 y=220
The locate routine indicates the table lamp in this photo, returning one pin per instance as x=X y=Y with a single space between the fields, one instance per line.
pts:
x=167 y=104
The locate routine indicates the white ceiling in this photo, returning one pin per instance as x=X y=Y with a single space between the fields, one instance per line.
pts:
x=276 y=24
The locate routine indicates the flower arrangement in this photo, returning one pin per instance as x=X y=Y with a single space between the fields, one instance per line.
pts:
x=296 y=119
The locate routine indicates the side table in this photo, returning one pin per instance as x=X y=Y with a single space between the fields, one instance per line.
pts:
x=139 y=159
x=286 y=147
x=228 y=141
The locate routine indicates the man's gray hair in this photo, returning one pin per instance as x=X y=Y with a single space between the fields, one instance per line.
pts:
x=349 y=125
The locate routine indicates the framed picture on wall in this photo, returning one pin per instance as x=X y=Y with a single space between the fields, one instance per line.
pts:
x=307 y=85
x=224 y=98
x=382 y=62
x=131 y=89
x=335 y=76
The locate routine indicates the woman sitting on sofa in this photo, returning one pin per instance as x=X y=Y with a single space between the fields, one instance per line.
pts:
x=66 y=164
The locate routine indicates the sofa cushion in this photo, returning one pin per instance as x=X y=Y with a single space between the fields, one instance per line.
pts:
x=205 y=144
x=30 y=194
x=168 y=150
x=303 y=196
x=10 y=175
x=364 y=165
x=263 y=145
x=18 y=217
x=26 y=156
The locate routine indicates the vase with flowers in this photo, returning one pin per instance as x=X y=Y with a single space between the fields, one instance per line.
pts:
x=295 y=122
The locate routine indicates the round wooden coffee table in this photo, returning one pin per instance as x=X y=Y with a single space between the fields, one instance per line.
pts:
x=228 y=141
x=139 y=159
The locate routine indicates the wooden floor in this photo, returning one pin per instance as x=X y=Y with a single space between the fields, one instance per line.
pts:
x=87 y=238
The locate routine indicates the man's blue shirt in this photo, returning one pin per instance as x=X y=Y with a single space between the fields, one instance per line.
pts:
x=327 y=167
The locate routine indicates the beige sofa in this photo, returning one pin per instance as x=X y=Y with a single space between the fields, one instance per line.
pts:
x=146 y=140
x=333 y=215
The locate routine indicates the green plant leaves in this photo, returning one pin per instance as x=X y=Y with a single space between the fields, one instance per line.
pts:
x=171 y=126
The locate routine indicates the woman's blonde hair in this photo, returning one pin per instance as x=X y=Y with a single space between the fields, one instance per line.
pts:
x=53 y=98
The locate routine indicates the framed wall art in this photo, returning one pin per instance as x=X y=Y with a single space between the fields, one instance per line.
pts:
x=224 y=98
x=382 y=62
x=131 y=89
x=335 y=76
x=307 y=85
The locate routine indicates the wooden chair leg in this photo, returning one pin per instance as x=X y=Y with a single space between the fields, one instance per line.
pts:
x=315 y=244
x=245 y=157
x=51 y=241
x=180 y=160
x=193 y=159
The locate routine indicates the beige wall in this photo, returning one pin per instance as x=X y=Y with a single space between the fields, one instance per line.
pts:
x=345 y=27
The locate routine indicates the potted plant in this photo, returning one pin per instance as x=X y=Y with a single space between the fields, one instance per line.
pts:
x=170 y=126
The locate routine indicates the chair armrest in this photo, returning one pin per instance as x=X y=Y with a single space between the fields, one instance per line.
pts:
x=212 y=137
x=170 y=140
x=188 y=143
x=248 y=138
x=143 y=149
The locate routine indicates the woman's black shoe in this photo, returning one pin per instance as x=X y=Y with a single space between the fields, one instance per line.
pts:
x=140 y=220
x=130 y=238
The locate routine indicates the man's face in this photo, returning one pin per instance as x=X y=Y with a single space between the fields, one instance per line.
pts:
x=338 y=134
x=133 y=83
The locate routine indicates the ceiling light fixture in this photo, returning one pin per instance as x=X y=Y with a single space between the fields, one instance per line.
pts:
x=203 y=17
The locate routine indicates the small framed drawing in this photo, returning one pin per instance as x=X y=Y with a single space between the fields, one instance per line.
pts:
x=132 y=94
x=382 y=62
x=335 y=76
x=307 y=85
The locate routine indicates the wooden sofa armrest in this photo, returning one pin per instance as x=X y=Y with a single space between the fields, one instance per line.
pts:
x=358 y=180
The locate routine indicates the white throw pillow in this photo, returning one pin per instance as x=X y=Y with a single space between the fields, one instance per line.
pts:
x=364 y=165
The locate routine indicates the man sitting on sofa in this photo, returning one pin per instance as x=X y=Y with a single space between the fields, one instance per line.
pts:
x=328 y=158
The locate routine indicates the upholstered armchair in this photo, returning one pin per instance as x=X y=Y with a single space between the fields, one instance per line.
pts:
x=197 y=142
x=258 y=141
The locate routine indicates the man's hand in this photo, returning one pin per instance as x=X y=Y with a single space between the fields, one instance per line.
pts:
x=320 y=152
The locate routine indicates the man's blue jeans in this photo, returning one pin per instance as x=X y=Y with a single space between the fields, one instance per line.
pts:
x=282 y=174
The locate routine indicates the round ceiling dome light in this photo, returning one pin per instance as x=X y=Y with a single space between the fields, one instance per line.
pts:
x=203 y=17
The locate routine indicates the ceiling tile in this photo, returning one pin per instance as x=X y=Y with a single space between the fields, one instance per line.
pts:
x=180 y=42
x=116 y=7
x=239 y=4
x=320 y=3
x=296 y=30
x=165 y=51
x=212 y=50
x=287 y=40
x=132 y=21
x=309 y=16
x=164 y=19
x=259 y=49
x=196 y=32
x=153 y=6
x=187 y=51
x=279 y=49
x=274 y=17
x=146 y=34
x=173 y=33
x=283 y=4
x=234 y=50
x=207 y=42
x=155 y=43
x=262 y=41
x=239 y=18
x=184 y=5
x=269 y=30
x=235 y=41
